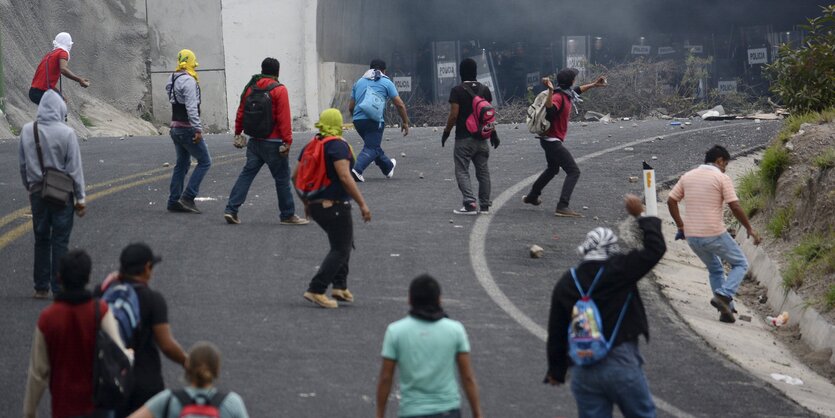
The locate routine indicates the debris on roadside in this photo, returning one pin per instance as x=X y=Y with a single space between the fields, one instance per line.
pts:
x=786 y=378
x=536 y=251
x=779 y=320
x=633 y=179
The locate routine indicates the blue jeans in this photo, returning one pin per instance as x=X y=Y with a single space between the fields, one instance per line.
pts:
x=52 y=226
x=712 y=251
x=258 y=153
x=618 y=379
x=372 y=151
x=186 y=148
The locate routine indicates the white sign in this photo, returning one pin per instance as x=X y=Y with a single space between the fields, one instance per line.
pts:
x=446 y=70
x=665 y=50
x=727 y=87
x=576 y=61
x=695 y=49
x=532 y=79
x=486 y=80
x=757 y=56
x=403 y=84
x=641 y=49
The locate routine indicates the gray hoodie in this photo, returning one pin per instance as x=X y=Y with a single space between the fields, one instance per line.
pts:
x=59 y=145
x=185 y=90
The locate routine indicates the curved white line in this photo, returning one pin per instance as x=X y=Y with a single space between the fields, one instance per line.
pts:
x=478 y=259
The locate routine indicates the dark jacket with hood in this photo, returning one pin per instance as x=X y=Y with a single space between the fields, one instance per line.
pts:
x=58 y=143
x=620 y=277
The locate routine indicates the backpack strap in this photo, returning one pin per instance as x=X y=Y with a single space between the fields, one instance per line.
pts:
x=469 y=90
x=617 y=324
x=38 y=146
x=593 y=283
x=218 y=398
x=182 y=396
x=171 y=94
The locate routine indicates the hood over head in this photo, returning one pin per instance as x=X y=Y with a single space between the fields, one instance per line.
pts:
x=52 y=108
x=600 y=244
x=330 y=123
x=63 y=41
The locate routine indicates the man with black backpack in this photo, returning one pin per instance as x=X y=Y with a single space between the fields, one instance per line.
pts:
x=472 y=132
x=558 y=104
x=183 y=90
x=611 y=317
x=264 y=115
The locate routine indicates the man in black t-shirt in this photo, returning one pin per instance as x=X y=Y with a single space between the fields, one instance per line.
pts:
x=153 y=335
x=332 y=212
x=467 y=146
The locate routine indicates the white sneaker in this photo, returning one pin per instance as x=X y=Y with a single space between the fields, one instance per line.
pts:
x=357 y=176
x=393 y=164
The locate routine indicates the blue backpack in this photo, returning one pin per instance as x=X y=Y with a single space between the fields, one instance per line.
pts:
x=373 y=104
x=123 y=301
x=586 y=343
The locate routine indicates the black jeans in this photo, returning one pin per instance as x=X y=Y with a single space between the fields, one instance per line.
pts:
x=558 y=157
x=337 y=223
x=35 y=95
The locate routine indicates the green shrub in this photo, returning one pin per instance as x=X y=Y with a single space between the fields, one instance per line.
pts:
x=86 y=121
x=829 y=298
x=804 y=78
x=794 y=274
x=750 y=192
x=781 y=221
x=774 y=162
x=826 y=160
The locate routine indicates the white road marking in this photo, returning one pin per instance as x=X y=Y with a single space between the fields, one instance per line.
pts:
x=478 y=259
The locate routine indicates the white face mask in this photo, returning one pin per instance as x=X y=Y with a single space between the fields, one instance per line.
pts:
x=64 y=41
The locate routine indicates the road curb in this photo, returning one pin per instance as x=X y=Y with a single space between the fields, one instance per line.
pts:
x=815 y=330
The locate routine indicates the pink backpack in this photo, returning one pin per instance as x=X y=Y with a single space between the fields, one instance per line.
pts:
x=482 y=122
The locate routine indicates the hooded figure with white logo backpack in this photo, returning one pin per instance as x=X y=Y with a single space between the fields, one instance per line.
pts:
x=200 y=399
x=596 y=318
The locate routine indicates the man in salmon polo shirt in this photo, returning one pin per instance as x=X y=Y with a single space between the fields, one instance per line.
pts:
x=705 y=190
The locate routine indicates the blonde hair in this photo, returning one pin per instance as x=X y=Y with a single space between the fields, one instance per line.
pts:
x=203 y=364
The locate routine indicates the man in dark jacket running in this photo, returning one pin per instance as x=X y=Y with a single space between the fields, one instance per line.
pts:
x=618 y=378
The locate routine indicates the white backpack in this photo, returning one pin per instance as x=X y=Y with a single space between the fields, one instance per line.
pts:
x=537 y=122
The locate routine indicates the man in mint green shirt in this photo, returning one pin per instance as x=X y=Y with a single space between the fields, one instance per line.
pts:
x=427 y=346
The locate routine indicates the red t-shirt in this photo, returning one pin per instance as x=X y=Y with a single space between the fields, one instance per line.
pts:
x=562 y=112
x=53 y=61
x=70 y=334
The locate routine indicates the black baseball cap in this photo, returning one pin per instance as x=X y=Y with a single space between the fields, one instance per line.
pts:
x=135 y=256
x=565 y=78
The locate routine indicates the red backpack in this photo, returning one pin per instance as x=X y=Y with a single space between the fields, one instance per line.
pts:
x=482 y=122
x=312 y=172
x=191 y=409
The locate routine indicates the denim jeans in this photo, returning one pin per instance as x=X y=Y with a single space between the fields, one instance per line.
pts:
x=258 y=153
x=186 y=148
x=477 y=151
x=52 y=226
x=616 y=380
x=372 y=151
x=557 y=156
x=454 y=413
x=712 y=251
x=337 y=223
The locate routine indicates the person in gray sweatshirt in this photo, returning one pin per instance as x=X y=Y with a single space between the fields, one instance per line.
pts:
x=52 y=224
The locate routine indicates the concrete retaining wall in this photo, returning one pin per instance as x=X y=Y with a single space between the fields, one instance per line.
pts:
x=816 y=331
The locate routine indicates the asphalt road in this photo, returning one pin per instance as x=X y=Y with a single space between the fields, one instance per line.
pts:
x=240 y=286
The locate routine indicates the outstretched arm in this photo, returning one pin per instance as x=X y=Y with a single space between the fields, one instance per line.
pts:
x=65 y=70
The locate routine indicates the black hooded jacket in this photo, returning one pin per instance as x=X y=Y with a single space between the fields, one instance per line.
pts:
x=621 y=275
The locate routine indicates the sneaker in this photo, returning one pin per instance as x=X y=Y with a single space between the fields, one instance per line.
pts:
x=357 y=176
x=41 y=294
x=723 y=304
x=231 y=218
x=393 y=164
x=188 y=205
x=729 y=319
x=712 y=303
x=468 y=209
x=536 y=201
x=321 y=300
x=484 y=210
x=295 y=220
x=176 y=207
x=343 y=295
x=567 y=213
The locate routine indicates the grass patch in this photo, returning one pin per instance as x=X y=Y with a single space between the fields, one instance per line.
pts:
x=781 y=221
x=794 y=274
x=813 y=258
x=15 y=130
x=774 y=162
x=829 y=297
x=86 y=121
x=750 y=191
x=792 y=124
x=826 y=160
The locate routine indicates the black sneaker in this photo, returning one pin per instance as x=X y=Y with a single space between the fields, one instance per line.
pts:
x=467 y=209
x=536 y=201
x=723 y=304
x=231 y=218
x=484 y=210
x=176 y=207
x=188 y=205
x=712 y=303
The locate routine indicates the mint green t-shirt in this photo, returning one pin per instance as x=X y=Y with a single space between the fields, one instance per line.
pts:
x=425 y=353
